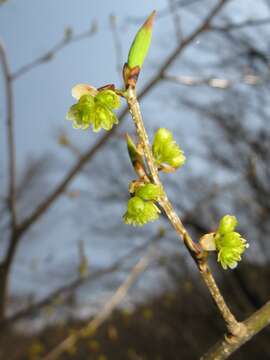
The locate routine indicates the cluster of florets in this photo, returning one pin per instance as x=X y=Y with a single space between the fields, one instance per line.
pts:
x=94 y=107
x=141 y=208
x=168 y=156
x=229 y=244
x=166 y=151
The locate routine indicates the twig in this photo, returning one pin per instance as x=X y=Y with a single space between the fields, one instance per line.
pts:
x=255 y=323
x=176 y=20
x=117 y=44
x=164 y=12
x=104 y=313
x=6 y=263
x=234 y=327
x=53 y=51
x=214 y=81
x=240 y=25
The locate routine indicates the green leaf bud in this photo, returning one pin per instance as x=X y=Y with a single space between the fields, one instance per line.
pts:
x=141 y=43
x=140 y=212
x=108 y=98
x=132 y=150
x=227 y=224
x=166 y=150
x=149 y=192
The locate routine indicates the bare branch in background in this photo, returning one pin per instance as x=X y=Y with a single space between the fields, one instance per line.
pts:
x=106 y=310
x=176 y=20
x=65 y=291
x=215 y=81
x=68 y=39
x=13 y=240
x=164 y=12
x=10 y=137
x=241 y=25
x=117 y=44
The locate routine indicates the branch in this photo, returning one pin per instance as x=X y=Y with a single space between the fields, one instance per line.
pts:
x=104 y=313
x=242 y=24
x=90 y=153
x=176 y=20
x=117 y=43
x=67 y=40
x=234 y=327
x=164 y=12
x=10 y=136
x=215 y=82
x=255 y=323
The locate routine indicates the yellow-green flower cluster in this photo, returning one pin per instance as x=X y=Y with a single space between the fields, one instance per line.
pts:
x=93 y=108
x=141 y=208
x=229 y=244
x=166 y=151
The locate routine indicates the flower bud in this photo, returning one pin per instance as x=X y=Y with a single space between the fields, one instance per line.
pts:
x=149 y=192
x=227 y=224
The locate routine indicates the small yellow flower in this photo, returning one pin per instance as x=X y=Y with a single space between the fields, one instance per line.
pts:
x=229 y=243
x=93 y=107
x=166 y=151
x=140 y=212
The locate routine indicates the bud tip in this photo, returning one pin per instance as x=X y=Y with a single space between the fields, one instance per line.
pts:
x=150 y=20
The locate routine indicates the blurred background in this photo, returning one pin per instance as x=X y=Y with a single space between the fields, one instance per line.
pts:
x=67 y=251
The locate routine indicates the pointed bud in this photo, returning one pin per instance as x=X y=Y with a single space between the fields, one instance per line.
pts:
x=141 y=43
x=132 y=151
